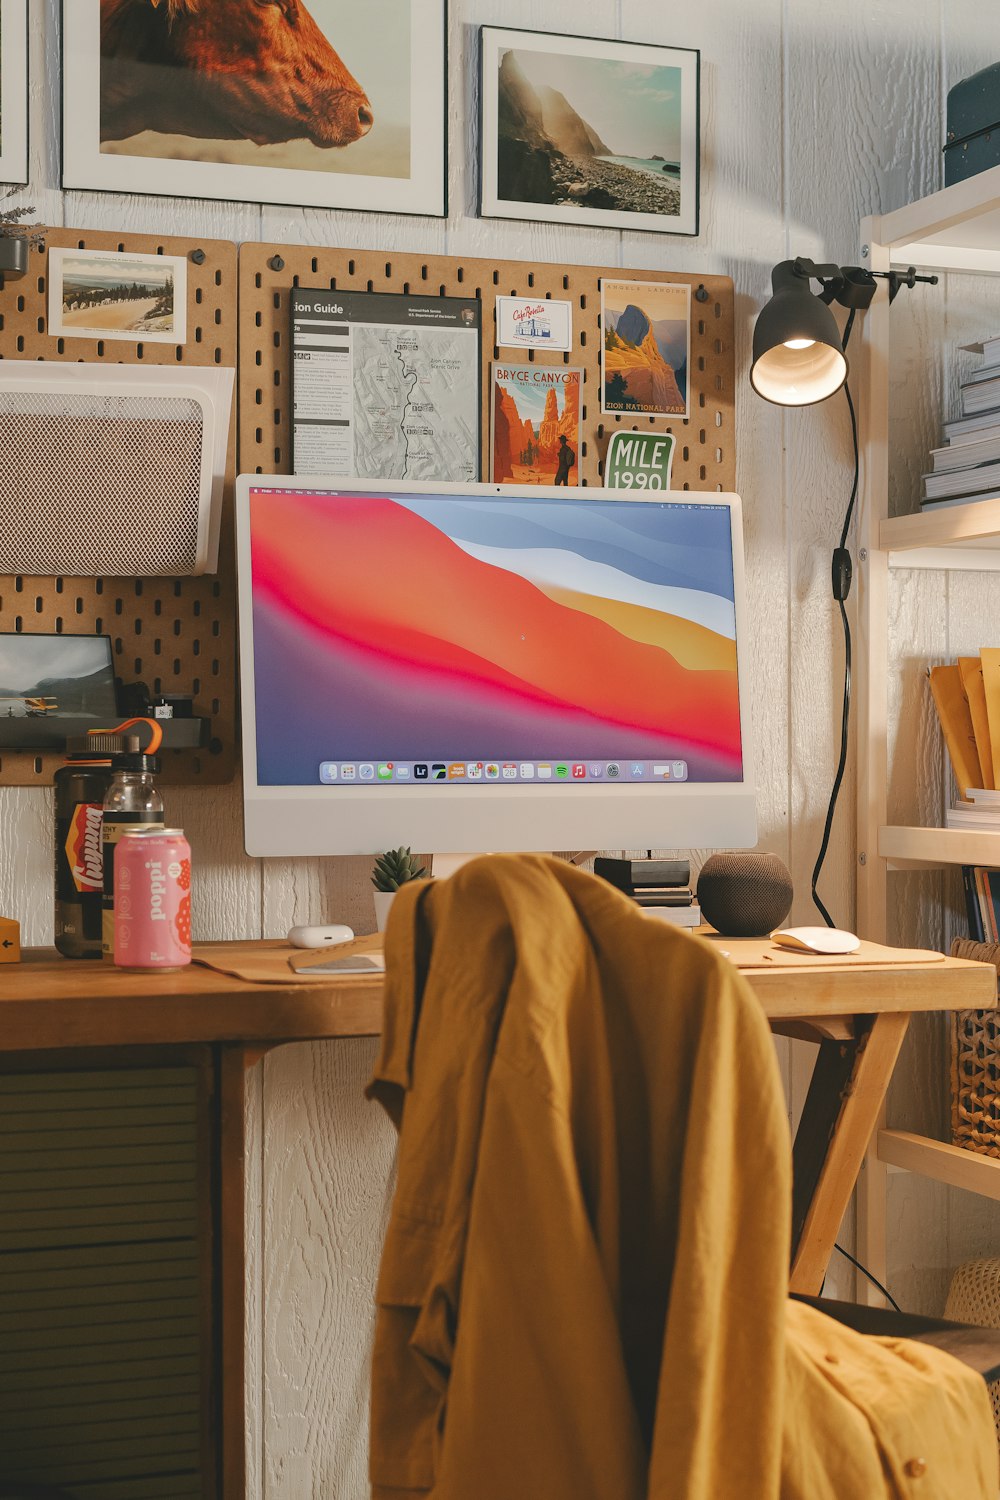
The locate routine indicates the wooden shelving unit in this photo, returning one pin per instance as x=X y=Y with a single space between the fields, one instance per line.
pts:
x=958 y=230
x=933 y=848
x=958 y=536
x=951 y=1165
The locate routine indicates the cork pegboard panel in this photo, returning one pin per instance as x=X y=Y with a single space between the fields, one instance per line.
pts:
x=705 y=455
x=176 y=635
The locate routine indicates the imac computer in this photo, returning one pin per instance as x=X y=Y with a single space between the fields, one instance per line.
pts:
x=487 y=667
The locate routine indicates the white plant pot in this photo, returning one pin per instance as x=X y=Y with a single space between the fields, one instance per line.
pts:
x=383 y=900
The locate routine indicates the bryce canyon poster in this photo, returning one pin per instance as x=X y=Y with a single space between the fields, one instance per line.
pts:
x=647 y=347
x=535 y=425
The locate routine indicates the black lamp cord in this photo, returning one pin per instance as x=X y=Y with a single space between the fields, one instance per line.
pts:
x=841 y=589
x=841 y=574
x=873 y=1279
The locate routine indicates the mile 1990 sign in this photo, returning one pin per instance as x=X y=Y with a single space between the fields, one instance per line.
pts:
x=639 y=461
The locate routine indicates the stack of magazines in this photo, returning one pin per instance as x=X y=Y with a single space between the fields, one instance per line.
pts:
x=980 y=813
x=661 y=886
x=968 y=467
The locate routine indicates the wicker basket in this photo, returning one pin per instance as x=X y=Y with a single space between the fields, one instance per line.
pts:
x=974 y=1297
x=975 y=1065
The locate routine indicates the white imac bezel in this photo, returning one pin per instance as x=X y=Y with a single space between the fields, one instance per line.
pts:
x=498 y=817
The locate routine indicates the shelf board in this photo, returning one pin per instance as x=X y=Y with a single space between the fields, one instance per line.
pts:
x=911 y=848
x=949 y=1164
x=956 y=229
x=959 y=536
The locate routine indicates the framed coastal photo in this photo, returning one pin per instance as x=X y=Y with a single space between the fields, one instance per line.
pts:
x=315 y=103
x=581 y=130
x=646 y=359
x=13 y=91
x=103 y=294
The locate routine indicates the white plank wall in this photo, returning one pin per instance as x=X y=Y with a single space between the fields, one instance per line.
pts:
x=812 y=116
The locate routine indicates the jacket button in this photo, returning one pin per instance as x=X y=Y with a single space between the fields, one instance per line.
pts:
x=832 y=1359
x=915 y=1468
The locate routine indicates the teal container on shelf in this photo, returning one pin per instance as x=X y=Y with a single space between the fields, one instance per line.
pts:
x=973 y=124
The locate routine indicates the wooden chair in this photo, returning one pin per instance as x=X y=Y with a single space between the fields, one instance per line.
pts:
x=979 y=1348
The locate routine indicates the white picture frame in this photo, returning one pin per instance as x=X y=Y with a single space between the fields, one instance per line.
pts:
x=127 y=125
x=581 y=163
x=152 y=309
x=13 y=92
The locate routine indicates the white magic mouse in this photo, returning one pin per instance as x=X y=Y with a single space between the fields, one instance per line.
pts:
x=816 y=940
x=320 y=937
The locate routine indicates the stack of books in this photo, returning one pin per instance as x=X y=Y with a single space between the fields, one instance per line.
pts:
x=968 y=467
x=661 y=886
x=982 y=902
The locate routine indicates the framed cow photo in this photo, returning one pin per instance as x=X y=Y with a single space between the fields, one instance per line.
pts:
x=13 y=91
x=316 y=103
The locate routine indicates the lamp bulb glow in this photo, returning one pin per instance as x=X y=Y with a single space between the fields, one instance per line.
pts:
x=799 y=343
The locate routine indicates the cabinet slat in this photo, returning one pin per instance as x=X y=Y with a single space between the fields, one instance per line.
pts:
x=103 y=1302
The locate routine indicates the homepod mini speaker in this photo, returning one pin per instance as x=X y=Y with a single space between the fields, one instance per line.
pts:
x=111 y=470
x=744 y=892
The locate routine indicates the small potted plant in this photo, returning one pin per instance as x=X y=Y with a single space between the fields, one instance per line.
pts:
x=391 y=870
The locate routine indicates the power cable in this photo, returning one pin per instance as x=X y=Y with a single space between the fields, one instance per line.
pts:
x=873 y=1279
x=841 y=581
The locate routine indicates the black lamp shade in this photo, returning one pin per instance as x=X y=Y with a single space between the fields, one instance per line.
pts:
x=798 y=358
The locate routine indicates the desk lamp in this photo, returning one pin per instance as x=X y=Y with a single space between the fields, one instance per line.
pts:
x=799 y=359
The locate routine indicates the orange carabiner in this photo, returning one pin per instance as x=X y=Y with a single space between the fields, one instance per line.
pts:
x=155 y=736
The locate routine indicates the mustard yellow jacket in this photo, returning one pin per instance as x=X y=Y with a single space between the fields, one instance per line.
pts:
x=583 y=1289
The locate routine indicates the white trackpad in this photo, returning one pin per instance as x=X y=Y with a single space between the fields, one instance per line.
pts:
x=816 y=940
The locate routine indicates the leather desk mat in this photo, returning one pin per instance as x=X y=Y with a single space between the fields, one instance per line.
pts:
x=270 y=961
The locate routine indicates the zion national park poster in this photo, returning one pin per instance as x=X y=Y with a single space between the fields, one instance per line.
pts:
x=536 y=425
x=647 y=347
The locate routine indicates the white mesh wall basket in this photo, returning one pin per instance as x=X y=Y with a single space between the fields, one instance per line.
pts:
x=974 y=1297
x=111 y=471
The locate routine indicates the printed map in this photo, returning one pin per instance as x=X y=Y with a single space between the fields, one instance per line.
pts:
x=416 y=403
x=385 y=386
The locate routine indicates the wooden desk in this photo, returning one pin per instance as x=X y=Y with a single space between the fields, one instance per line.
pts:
x=858 y=1014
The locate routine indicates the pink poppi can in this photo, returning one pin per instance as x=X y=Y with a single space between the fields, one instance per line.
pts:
x=153 y=899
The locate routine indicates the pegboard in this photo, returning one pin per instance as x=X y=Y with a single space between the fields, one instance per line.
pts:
x=176 y=635
x=705 y=453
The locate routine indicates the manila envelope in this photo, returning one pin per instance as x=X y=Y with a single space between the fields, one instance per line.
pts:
x=972 y=680
x=956 y=722
x=990 y=658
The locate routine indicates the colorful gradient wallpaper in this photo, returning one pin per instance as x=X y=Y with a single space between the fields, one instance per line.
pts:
x=432 y=627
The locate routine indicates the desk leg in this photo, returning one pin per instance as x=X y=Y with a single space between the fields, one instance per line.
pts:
x=232 y=1269
x=848 y=1087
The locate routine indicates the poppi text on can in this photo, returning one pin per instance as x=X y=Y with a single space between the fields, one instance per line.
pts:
x=153 y=899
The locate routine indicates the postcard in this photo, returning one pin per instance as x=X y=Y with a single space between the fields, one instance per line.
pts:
x=534 y=323
x=104 y=294
x=647 y=348
x=536 y=424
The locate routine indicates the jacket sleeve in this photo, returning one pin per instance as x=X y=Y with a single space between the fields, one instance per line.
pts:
x=718 y=1431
